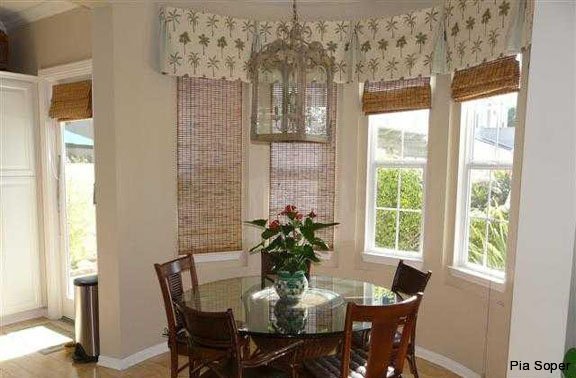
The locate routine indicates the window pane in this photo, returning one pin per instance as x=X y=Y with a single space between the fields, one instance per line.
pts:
x=387 y=187
x=410 y=228
x=500 y=194
x=479 y=188
x=493 y=121
x=386 y=229
x=476 y=240
x=416 y=142
x=411 y=188
x=80 y=209
x=389 y=144
x=496 y=246
x=401 y=136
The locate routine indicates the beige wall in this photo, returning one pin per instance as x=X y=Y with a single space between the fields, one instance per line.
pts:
x=61 y=39
x=135 y=118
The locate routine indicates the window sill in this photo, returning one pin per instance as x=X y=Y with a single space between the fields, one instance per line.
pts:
x=387 y=259
x=478 y=278
x=217 y=257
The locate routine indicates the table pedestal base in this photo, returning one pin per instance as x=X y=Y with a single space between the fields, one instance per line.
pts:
x=313 y=347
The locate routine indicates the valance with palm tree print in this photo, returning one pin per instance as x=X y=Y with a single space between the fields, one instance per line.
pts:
x=461 y=34
x=479 y=31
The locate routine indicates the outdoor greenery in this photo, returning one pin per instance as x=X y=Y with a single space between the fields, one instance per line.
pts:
x=410 y=197
x=80 y=215
x=494 y=237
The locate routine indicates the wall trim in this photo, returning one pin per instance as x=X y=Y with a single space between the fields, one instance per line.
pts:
x=23 y=316
x=134 y=359
x=446 y=363
x=153 y=351
x=217 y=256
x=66 y=71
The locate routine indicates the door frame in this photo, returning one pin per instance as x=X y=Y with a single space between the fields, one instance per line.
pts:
x=49 y=149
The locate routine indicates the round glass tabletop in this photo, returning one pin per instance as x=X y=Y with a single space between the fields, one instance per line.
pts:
x=258 y=310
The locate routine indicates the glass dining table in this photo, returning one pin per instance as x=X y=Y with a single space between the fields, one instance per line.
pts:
x=317 y=318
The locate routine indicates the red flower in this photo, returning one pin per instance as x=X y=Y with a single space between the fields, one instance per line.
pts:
x=289 y=209
x=299 y=216
x=274 y=225
x=312 y=214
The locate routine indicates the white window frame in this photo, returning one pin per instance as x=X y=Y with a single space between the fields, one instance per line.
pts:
x=465 y=167
x=372 y=253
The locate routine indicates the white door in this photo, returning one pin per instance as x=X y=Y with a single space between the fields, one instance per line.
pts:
x=20 y=284
x=77 y=208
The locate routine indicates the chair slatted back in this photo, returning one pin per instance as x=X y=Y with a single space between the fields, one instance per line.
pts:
x=409 y=280
x=386 y=321
x=171 y=283
x=216 y=330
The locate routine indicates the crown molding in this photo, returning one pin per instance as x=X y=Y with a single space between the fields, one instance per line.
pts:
x=38 y=12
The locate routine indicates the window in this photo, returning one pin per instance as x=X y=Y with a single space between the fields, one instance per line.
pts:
x=396 y=177
x=485 y=177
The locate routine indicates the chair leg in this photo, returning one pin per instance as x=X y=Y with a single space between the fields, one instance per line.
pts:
x=173 y=363
x=191 y=367
x=412 y=363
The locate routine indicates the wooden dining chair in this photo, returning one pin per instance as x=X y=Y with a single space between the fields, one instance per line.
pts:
x=380 y=359
x=170 y=275
x=409 y=281
x=215 y=347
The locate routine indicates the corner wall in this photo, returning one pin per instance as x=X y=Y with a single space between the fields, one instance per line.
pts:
x=548 y=204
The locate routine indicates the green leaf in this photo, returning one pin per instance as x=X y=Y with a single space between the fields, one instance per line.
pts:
x=257 y=222
x=320 y=244
x=308 y=234
x=268 y=233
x=274 y=244
x=290 y=243
x=287 y=229
x=254 y=249
x=320 y=226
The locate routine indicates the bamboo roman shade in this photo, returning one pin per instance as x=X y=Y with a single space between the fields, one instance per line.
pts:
x=209 y=165
x=304 y=175
x=397 y=95
x=489 y=79
x=71 y=101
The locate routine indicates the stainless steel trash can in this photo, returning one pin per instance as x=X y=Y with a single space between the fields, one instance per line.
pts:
x=86 y=322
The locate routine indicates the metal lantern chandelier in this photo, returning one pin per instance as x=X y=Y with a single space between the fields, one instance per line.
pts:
x=292 y=89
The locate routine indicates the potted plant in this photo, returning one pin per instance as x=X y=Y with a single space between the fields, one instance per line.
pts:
x=292 y=243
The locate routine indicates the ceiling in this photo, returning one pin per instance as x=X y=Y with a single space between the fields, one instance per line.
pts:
x=308 y=9
x=14 y=13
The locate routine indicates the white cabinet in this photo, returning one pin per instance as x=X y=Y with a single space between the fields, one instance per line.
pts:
x=20 y=247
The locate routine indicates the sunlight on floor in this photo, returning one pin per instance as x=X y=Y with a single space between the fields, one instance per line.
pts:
x=28 y=341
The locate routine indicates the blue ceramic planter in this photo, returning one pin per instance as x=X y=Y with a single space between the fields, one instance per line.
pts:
x=290 y=287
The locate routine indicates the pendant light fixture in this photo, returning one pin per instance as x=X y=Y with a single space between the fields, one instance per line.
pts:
x=292 y=89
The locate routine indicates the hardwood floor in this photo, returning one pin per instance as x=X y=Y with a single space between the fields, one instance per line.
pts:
x=23 y=356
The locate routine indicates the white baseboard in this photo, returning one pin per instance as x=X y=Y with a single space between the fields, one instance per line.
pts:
x=23 y=316
x=143 y=355
x=136 y=358
x=446 y=363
